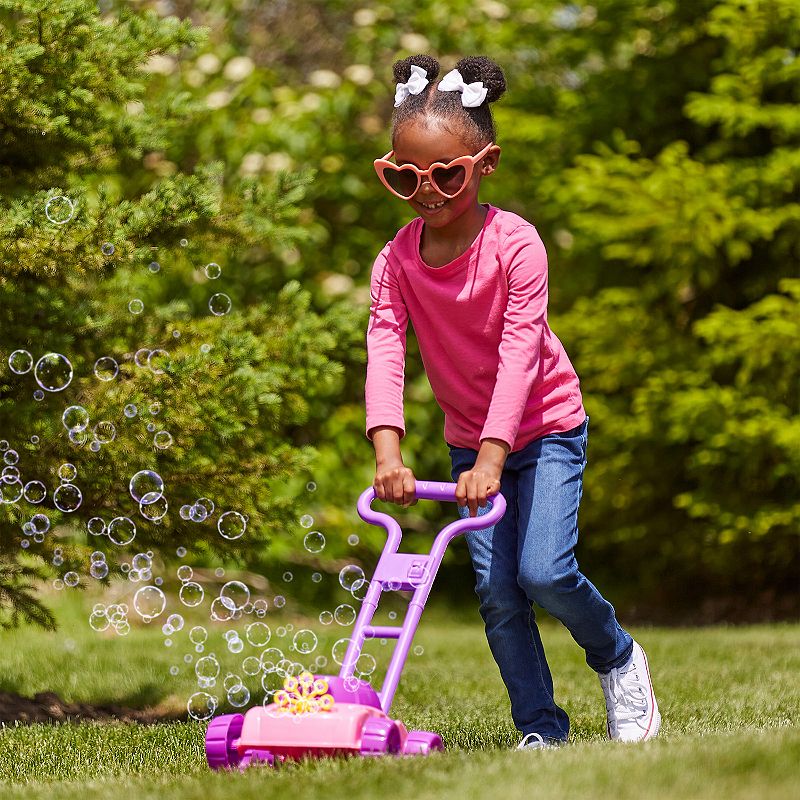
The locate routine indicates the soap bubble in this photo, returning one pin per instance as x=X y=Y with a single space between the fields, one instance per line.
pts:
x=258 y=634
x=201 y=706
x=136 y=306
x=231 y=525
x=213 y=271
x=235 y=645
x=59 y=209
x=305 y=641
x=155 y=510
x=314 y=542
x=175 y=621
x=162 y=440
x=366 y=664
x=9 y=475
x=205 y=348
x=107 y=249
x=158 y=361
x=419 y=650
x=344 y=614
x=98 y=569
x=121 y=531
x=98 y=621
x=206 y=503
x=140 y=356
x=154 y=408
x=339 y=649
x=96 y=526
x=67 y=473
x=311 y=486
x=222 y=609
x=40 y=523
x=75 y=418
x=191 y=594
x=238 y=696
x=106 y=368
x=350 y=576
x=251 y=666
x=316 y=577
x=67 y=497
x=11 y=457
x=237 y=592
x=279 y=601
x=154 y=266
x=71 y=578
x=53 y=372
x=198 y=634
x=130 y=411
x=288 y=577
x=104 y=432
x=149 y=602
x=35 y=492
x=306 y=520
x=325 y=617
x=352 y=540
x=197 y=512
x=146 y=486
x=219 y=304
x=185 y=572
x=20 y=362
x=359 y=590
x=38 y=395
x=11 y=492
x=184 y=242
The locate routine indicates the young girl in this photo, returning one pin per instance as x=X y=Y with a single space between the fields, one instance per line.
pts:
x=472 y=278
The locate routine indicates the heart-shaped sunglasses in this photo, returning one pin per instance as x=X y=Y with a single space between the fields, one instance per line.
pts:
x=448 y=179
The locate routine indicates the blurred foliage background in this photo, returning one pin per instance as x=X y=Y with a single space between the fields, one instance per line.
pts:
x=653 y=143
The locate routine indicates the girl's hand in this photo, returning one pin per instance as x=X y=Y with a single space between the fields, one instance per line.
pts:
x=475 y=485
x=395 y=483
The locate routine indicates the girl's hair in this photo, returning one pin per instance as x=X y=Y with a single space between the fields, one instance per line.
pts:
x=474 y=125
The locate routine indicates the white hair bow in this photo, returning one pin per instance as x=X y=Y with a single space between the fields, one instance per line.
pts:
x=472 y=94
x=416 y=83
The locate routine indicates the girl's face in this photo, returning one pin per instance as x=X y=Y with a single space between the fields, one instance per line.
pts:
x=421 y=146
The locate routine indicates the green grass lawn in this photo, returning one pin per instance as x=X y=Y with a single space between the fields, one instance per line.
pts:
x=729 y=697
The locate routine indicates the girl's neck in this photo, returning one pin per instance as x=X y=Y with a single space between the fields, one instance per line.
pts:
x=459 y=233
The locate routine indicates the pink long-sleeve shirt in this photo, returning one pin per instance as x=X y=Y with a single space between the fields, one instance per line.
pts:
x=495 y=367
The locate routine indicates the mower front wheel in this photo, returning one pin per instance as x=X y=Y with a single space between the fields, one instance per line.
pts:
x=221 y=736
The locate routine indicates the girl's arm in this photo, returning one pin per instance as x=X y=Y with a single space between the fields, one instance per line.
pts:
x=394 y=482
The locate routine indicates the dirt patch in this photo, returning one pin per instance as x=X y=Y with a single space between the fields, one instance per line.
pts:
x=49 y=707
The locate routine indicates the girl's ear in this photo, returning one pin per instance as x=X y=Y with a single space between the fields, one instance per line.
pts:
x=490 y=161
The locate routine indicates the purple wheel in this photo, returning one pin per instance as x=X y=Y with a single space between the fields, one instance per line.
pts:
x=421 y=743
x=253 y=758
x=380 y=736
x=221 y=736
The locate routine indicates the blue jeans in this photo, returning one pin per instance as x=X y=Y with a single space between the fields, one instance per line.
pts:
x=529 y=556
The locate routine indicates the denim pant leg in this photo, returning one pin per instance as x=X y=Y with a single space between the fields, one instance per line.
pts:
x=549 y=492
x=510 y=625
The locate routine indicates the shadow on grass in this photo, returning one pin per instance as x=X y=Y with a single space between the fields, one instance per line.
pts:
x=140 y=707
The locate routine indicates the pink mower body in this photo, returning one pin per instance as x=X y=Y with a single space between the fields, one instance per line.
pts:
x=358 y=721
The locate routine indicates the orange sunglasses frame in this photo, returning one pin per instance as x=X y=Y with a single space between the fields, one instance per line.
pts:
x=468 y=162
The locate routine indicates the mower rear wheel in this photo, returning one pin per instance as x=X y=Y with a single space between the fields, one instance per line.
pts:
x=380 y=736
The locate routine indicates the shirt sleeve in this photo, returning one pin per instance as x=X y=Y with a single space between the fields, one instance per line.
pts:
x=386 y=348
x=525 y=260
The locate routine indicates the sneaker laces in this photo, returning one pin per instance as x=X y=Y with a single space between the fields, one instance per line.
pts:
x=626 y=698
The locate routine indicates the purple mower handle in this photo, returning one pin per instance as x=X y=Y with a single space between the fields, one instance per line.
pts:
x=410 y=571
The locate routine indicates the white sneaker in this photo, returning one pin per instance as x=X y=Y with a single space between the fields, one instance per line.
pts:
x=631 y=707
x=534 y=741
